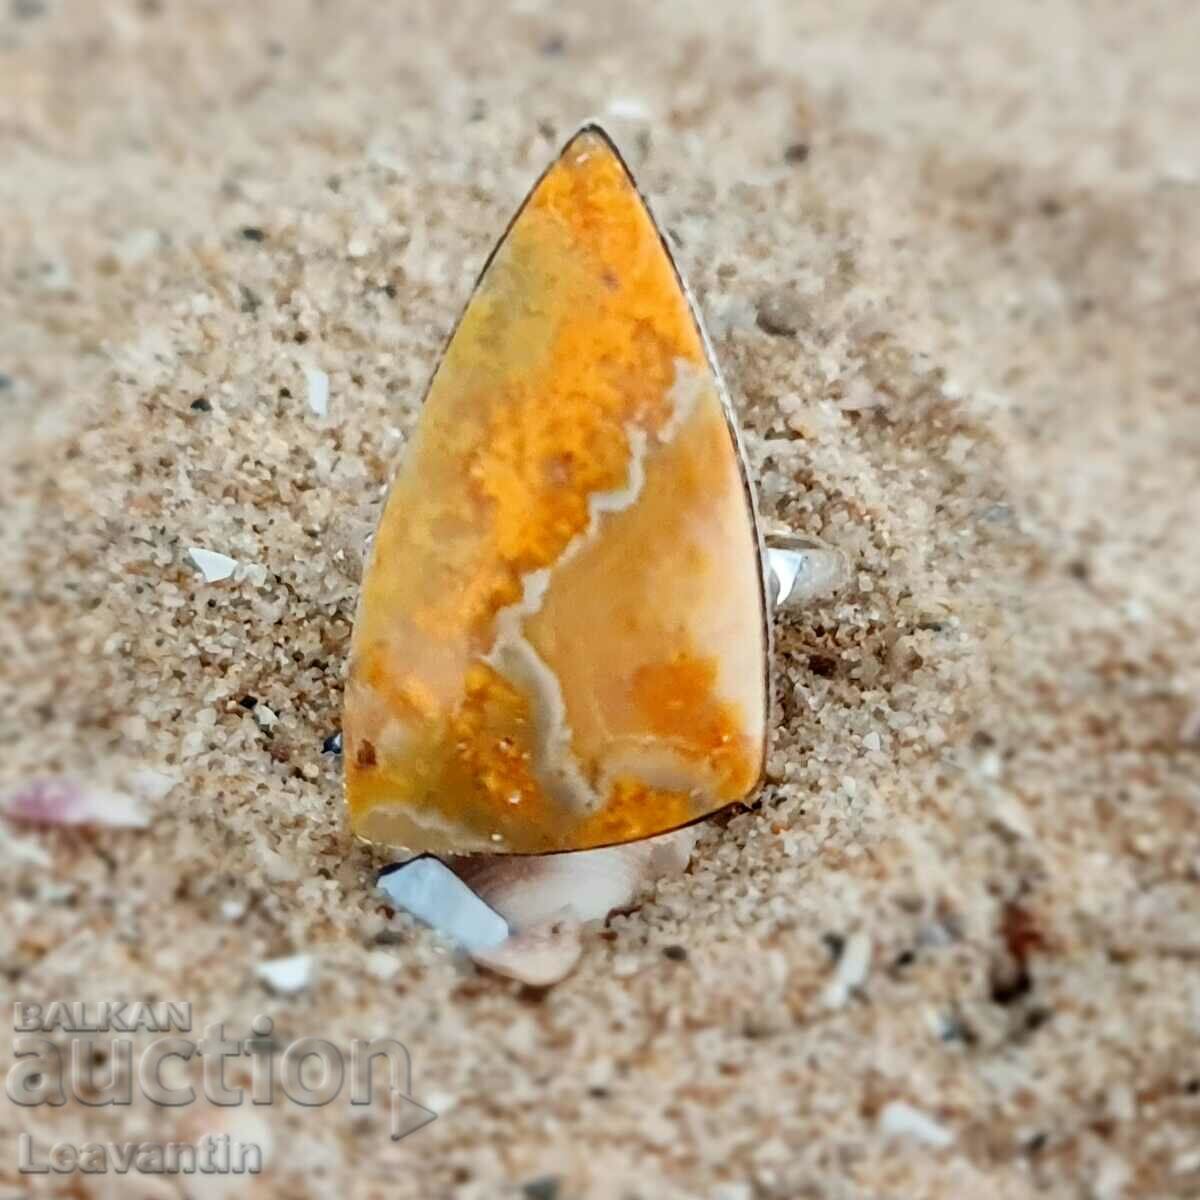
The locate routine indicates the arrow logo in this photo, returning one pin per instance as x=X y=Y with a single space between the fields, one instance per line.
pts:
x=407 y=1115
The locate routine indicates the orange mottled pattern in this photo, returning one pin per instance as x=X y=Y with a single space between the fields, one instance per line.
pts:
x=559 y=387
x=677 y=700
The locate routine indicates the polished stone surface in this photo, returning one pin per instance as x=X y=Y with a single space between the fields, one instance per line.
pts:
x=560 y=641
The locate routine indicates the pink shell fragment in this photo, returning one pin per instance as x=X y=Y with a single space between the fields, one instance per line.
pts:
x=61 y=800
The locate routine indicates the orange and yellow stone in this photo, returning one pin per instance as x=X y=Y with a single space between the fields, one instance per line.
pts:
x=561 y=639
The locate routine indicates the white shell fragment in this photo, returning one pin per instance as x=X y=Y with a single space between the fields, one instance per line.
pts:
x=851 y=972
x=628 y=108
x=429 y=890
x=148 y=784
x=522 y=916
x=266 y=717
x=15 y=850
x=286 y=976
x=801 y=570
x=318 y=390
x=381 y=965
x=213 y=566
x=539 y=956
x=585 y=884
x=61 y=800
x=899 y=1119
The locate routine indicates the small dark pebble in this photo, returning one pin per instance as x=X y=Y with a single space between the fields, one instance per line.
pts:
x=201 y=405
x=1051 y=206
x=675 y=953
x=300 y=337
x=250 y=300
x=796 y=153
x=252 y=233
x=285 y=393
x=781 y=313
x=5 y=382
x=1021 y=933
x=1036 y=1144
x=957 y=1030
x=543 y=1188
x=1037 y=1017
x=822 y=665
x=1009 y=985
x=905 y=958
x=835 y=944
x=554 y=45
x=248 y=701
x=1192 y=1087
x=332 y=744
x=389 y=290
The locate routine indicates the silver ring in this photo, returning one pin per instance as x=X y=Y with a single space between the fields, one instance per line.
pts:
x=564 y=638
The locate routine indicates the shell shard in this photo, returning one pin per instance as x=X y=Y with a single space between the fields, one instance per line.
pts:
x=561 y=638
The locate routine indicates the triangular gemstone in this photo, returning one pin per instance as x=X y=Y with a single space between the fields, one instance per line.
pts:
x=561 y=638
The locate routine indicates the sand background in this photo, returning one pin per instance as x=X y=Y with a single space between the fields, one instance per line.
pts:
x=950 y=258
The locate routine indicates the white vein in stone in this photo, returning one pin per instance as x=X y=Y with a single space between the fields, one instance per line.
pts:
x=514 y=656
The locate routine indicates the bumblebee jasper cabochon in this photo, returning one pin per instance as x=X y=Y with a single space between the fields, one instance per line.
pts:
x=561 y=637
